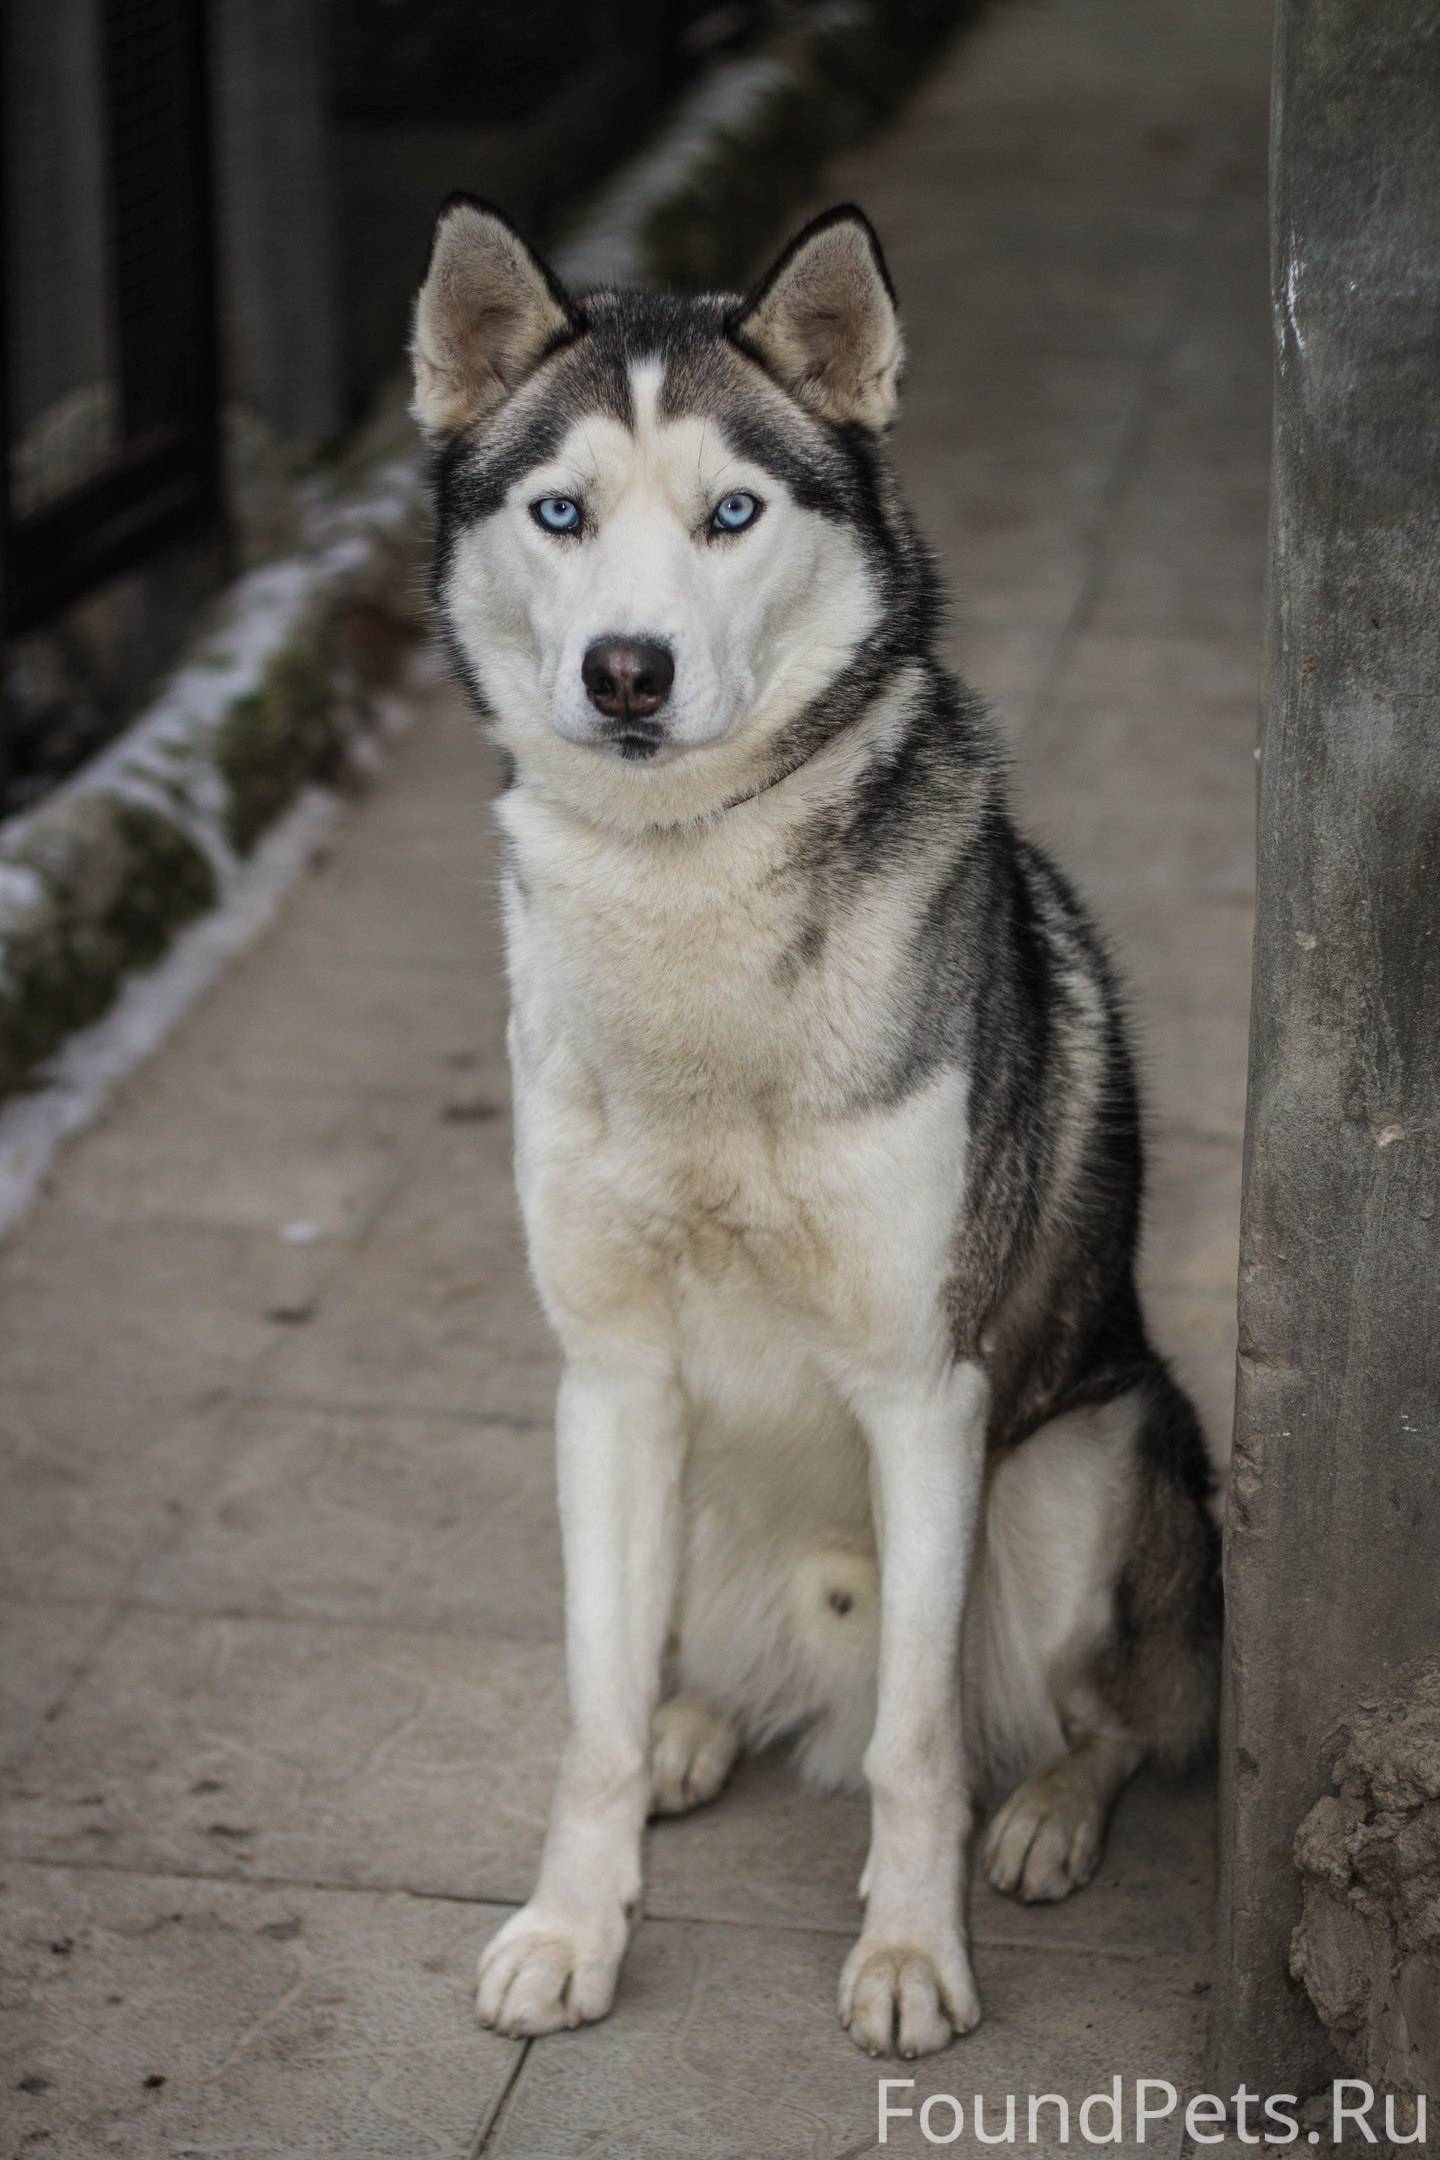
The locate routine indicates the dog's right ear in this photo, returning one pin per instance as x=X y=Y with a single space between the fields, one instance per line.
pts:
x=487 y=313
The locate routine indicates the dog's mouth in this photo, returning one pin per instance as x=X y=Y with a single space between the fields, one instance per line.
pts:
x=636 y=740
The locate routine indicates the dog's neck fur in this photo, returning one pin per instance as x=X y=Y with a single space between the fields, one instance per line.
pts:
x=746 y=956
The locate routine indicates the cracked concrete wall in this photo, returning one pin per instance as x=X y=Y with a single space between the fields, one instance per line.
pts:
x=1367 y=1950
x=1333 y=1563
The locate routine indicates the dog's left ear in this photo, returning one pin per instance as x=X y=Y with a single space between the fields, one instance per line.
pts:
x=823 y=322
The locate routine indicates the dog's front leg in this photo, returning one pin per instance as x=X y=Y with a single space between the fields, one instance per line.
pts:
x=907 y=1985
x=620 y=1445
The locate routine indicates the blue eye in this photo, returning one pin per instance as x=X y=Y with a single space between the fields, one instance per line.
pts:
x=735 y=512
x=557 y=513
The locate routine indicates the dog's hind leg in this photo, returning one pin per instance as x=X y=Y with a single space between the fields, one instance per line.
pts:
x=1095 y=1626
x=693 y=1751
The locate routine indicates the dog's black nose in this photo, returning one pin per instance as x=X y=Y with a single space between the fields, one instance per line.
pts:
x=627 y=678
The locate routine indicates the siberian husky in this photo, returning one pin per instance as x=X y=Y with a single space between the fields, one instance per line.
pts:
x=827 y=1136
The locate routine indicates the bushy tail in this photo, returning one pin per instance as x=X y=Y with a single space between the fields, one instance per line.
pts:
x=1160 y=1669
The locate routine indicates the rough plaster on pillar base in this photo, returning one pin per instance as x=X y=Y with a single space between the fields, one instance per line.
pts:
x=1367 y=1949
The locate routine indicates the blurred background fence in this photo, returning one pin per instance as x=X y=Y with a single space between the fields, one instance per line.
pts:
x=214 y=214
x=111 y=406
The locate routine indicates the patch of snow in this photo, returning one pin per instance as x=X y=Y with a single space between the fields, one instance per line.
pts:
x=21 y=889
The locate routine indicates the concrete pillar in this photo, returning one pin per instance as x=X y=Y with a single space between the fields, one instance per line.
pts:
x=1334 y=1539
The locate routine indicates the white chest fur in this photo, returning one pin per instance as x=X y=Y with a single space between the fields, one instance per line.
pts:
x=686 y=1089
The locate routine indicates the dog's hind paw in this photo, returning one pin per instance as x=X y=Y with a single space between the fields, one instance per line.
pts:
x=907 y=1999
x=543 y=1974
x=693 y=1752
x=1046 y=1840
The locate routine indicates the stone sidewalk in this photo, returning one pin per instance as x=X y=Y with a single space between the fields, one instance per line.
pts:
x=281 y=1674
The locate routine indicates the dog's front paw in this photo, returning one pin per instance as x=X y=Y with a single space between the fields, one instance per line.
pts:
x=543 y=1973
x=907 y=1998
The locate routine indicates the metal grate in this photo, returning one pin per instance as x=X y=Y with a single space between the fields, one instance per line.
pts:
x=109 y=408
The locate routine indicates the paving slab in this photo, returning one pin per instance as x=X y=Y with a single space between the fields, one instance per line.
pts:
x=987 y=402
x=1008 y=655
x=344 y=1023
x=447 y=780
x=437 y=1312
x=1099 y=779
x=1190 y=527
x=724 y=2045
x=326 y=1514
x=1197 y=1331
x=43 y=1648
x=1154 y=673
x=205 y=1150
x=450 y=915
x=146 y=1308
x=1192 y=1228
x=1178 y=565
x=375 y=1757
x=770 y=1852
x=95 y=1481
x=154 y=2017
x=1185 y=962
x=414 y=881
x=384 y=1757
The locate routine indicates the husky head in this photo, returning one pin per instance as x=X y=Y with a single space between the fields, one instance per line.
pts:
x=669 y=558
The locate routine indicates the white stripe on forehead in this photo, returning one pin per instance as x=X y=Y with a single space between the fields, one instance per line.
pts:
x=647 y=380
